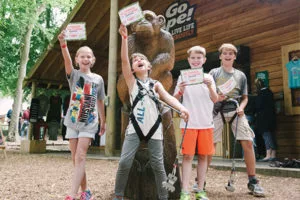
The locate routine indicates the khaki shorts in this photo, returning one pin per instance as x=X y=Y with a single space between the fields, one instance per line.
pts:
x=244 y=131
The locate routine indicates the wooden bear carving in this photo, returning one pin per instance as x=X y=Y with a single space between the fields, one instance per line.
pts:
x=150 y=39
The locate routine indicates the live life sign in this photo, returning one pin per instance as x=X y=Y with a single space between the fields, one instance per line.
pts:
x=180 y=20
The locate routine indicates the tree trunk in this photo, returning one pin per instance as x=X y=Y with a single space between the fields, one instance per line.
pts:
x=14 y=129
x=24 y=56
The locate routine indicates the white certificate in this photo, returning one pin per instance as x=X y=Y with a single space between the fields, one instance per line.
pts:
x=192 y=76
x=226 y=87
x=76 y=31
x=131 y=14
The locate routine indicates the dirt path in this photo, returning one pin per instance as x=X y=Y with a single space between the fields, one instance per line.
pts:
x=47 y=177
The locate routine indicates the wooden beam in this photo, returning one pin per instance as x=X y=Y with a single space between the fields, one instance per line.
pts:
x=112 y=76
x=60 y=67
x=54 y=58
x=47 y=81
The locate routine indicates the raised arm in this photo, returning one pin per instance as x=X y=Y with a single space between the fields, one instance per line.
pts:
x=126 y=68
x=65 y=52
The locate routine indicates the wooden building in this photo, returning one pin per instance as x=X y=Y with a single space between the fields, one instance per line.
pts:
x=270 y=29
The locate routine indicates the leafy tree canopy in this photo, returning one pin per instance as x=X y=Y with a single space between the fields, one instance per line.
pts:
x=15 y=15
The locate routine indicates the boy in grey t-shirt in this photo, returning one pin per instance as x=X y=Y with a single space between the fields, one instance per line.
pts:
x=231 y=82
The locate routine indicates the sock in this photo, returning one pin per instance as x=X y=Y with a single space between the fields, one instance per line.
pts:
x=252 y=178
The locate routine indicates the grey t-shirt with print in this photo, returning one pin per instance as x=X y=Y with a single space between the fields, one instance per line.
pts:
x=86 y=89
x=235 y=83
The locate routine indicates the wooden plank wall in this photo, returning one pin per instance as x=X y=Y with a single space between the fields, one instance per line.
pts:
x=264 y=26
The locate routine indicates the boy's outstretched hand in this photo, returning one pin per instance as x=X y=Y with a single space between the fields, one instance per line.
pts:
x=123 y=31
x=184 y=114
x=207 y=81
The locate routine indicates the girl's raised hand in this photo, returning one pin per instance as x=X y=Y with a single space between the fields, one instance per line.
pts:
x=123 y=30
x=61 y=36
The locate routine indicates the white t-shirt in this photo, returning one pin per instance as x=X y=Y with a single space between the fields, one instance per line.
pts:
x=145 y=112
x=197 y=101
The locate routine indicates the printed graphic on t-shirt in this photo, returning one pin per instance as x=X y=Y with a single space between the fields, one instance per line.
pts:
x=228 y=86
x=293 y=68
x=140 y=113
x=83 y=101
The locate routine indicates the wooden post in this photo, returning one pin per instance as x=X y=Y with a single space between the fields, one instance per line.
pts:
x=30 y=127
x=112 y=77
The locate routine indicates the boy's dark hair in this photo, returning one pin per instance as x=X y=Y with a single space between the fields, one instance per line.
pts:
x=141 y=56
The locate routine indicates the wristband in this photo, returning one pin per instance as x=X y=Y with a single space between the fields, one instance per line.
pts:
x=124 y=37
x=63 y=46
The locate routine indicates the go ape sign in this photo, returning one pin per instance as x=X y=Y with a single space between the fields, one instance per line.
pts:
x=180 y=20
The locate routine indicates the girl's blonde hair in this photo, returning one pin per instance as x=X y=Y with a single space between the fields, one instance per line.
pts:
x=85 y=49
x=259 y=83
x=229 y=47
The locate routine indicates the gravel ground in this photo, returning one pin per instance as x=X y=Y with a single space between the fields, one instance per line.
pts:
x=47 y=177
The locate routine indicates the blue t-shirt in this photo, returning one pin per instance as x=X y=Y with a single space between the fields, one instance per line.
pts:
x=293 y=68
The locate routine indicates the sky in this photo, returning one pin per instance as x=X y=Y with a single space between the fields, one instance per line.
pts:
x=6 y=104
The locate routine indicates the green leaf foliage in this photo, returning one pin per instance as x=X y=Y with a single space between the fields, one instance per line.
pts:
x=15 y=15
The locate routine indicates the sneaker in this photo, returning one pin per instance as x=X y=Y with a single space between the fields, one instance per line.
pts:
x=201 y=195
x=69 y=198
x=86 y=195
x=256 y=189
x=185 y=196
x=196 y=189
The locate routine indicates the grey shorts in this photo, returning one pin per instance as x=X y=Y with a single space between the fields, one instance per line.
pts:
x=72 y=133
x=244 y=131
